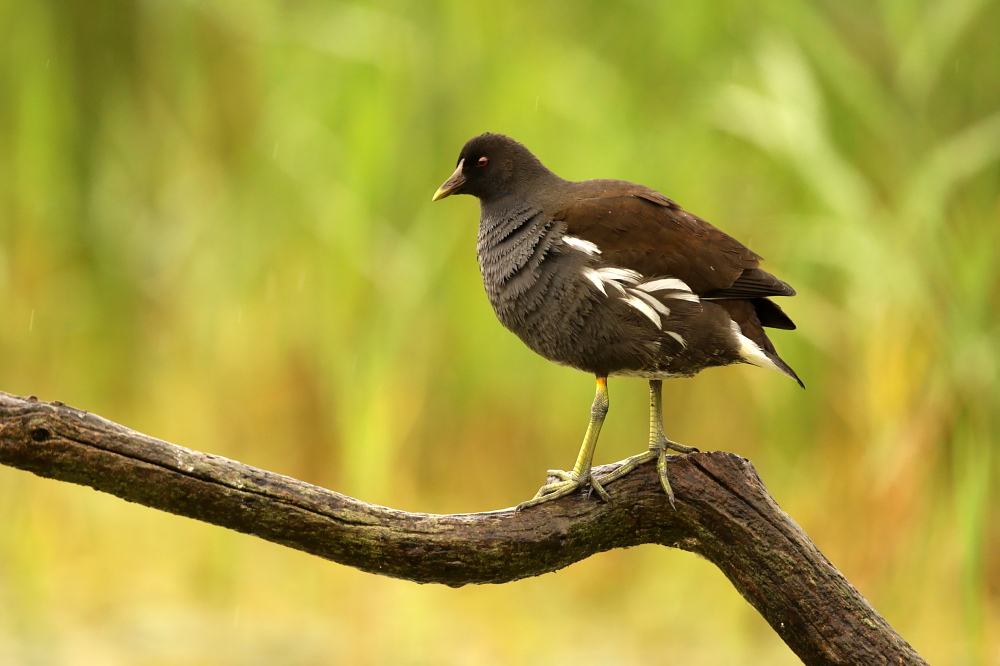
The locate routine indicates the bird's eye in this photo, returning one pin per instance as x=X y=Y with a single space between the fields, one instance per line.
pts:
x=483 y=161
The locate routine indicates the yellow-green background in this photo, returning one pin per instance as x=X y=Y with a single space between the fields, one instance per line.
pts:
x=216 y=228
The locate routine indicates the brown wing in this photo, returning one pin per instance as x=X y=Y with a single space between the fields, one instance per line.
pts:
x=640 y=229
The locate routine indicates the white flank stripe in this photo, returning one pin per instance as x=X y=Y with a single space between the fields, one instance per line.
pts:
x=617 y=286
x=613 y=277
x=678 y=338
x=582 y=245
x=684 y=297
x=665 y=283
x=623 y=274
x=595 y=277
x=641 y=306
x=657 y=305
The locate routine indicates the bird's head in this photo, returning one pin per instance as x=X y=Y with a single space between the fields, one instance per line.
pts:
x=492 y=166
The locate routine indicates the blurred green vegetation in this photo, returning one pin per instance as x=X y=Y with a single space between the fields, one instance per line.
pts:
x=216 y=228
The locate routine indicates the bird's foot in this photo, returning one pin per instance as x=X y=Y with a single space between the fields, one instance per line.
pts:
x=568 y=483
x=658 y=451
x=665 y=443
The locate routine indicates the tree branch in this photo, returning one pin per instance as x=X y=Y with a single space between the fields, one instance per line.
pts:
x=724 y=513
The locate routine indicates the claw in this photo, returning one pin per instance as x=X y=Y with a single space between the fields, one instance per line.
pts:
x=548 y=493
x=657 y=451
x=570 y=482
x=596 y=486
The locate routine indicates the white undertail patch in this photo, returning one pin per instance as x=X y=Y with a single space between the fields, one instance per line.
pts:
x=751 y=353
x=583 y=245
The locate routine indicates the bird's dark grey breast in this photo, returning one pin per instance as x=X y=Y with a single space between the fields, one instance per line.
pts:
x=538 y=289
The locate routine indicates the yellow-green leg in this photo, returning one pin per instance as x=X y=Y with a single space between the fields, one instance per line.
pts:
x=570 y=482
x=658 y=444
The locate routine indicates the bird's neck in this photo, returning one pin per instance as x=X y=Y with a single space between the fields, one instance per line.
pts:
x=501 y=219
x=524 y=198
x=528 y=182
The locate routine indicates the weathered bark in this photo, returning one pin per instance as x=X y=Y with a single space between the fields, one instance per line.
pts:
x=723 y=513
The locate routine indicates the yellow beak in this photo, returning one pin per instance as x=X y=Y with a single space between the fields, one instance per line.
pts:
x=452 y=185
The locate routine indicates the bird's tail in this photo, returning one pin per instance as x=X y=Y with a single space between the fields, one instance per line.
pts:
x=755 y=347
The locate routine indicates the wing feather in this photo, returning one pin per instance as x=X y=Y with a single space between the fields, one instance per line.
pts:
x=642 y=230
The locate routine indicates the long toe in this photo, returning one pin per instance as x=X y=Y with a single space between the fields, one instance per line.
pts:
x=567 y=485
x=627 y=466
x=673 y=446
x=661 y=469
